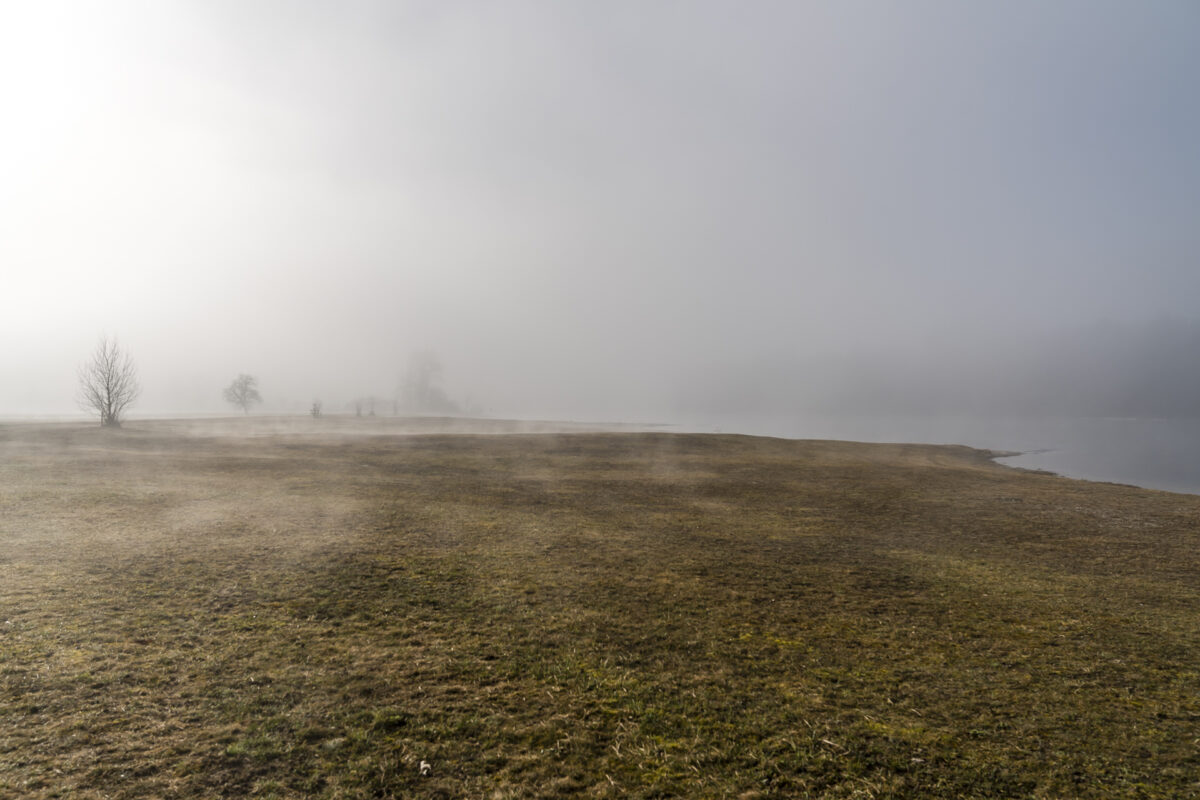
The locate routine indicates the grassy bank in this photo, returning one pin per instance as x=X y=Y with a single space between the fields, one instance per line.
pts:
x=204 y=613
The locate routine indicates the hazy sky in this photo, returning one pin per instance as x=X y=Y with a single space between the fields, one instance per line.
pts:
x=591 y=207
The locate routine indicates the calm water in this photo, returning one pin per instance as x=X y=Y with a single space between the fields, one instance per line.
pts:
x=1155 y=453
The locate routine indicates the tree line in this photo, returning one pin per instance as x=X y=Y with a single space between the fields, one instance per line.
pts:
x=109 y=386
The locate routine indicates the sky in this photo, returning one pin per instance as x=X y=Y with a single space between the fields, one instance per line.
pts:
x=619 y=209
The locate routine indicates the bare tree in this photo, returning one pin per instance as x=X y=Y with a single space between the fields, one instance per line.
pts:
x=108 y=382
x=316 y=409
x=243 y=392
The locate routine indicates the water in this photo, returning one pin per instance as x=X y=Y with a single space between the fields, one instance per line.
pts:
x=1154 y=453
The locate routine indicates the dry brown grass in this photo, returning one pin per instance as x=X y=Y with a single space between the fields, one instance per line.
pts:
x=202 y=610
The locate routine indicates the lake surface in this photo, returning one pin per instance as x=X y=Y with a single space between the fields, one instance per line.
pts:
x=1154 y=453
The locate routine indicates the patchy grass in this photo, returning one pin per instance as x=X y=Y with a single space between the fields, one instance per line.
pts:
x=192 y=613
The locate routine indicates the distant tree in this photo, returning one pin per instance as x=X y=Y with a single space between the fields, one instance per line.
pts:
x=108 y=382
x=243 y=392
x=365 y=403
x=316 y=409
x=419 y=391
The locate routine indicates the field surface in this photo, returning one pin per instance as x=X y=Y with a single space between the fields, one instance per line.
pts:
x=301 y=608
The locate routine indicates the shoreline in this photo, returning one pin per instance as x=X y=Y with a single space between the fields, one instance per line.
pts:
x=1138 y=464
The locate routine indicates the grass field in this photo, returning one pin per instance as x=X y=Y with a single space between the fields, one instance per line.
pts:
x=310 y=609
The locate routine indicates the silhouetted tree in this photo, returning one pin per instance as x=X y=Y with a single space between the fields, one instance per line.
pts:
x=316 y=409
x=108 y=383
x=243 y=392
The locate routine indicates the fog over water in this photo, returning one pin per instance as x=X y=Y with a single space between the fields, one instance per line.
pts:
x=631 y=211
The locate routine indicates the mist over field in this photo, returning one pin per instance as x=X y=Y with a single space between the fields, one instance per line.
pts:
x=367 y=366
x=618 y=210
